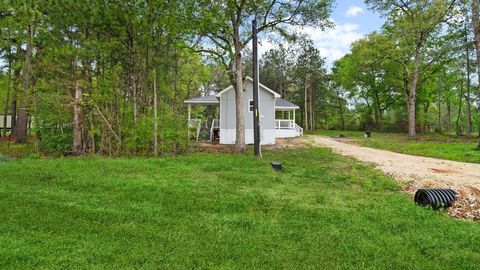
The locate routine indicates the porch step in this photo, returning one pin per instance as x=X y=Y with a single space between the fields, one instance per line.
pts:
x=298 y=130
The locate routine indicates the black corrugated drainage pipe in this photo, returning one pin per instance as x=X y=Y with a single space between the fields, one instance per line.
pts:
x=436 y=198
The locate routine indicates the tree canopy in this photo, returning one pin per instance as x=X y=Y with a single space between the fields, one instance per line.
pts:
x=110 y=77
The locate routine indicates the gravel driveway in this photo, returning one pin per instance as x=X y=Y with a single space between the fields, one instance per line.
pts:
x=418 y=172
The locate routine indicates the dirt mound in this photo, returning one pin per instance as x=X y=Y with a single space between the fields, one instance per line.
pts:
x=288 y=143
x=467 y=205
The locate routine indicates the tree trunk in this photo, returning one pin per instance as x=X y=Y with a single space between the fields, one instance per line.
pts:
x=21 y=125
x=439 y=102
x=305 y=106
x=378 y=112
x=13 y=121
x=302 y=118
x=238 y=87
x=449 y=114
x=426 y=106
x=340 y=105
x=175 y=98
x=240 y=116
x=476 y=32
x=78 y=120
x=376 y=115
x=412 y=96
x=134 y=81
x=458 y=129
x=469 y=110
x=92 y=137
x=7 y=94
x=5 y=116
x=16 y=89
x=155 y=116
x=411 y=117
x=405 y=88
x=469 y=113
x=312 y=111
x=467 y=87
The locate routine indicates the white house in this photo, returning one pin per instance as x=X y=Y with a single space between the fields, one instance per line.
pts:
x=271 y=106
x=8 y=119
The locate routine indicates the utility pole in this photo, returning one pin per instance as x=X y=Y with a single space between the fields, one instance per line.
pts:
x=256 y=113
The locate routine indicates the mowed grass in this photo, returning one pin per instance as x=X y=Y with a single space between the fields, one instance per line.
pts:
x=428 y=145
x=221 y=211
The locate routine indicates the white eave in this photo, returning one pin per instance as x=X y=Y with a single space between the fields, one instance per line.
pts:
x=275 y=94
x=208 y=100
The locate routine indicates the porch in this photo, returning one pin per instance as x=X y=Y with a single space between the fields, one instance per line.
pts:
x=205 y=126
x=198 y=125
x=285 y=126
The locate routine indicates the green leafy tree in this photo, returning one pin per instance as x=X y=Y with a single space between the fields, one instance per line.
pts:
x=369 y=74
x=412 y=26
x=225 y=28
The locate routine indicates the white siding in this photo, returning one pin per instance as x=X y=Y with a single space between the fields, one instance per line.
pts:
x=286 y=133
x=9 y=121
x=227 y=136
x=267 y=116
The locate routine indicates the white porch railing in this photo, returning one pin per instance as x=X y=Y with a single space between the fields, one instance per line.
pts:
x=284 y=124
x=193 y=123
x=215 y=125
x=299 y=129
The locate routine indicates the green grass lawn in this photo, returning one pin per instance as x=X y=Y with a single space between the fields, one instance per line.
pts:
x=221 y=211
x=438 y=146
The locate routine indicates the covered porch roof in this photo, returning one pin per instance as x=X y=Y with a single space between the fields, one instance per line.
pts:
x=207 y=100
x=283 y=105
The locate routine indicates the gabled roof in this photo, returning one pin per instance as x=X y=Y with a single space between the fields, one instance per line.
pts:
x=281 y=103
x=203 y=100
x=275 y=94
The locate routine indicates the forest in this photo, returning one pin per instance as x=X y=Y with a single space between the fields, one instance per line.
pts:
x=109 y=77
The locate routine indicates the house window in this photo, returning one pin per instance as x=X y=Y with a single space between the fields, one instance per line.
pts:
x=250 y=105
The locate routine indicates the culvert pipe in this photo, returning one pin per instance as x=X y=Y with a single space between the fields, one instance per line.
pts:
x=436 y=198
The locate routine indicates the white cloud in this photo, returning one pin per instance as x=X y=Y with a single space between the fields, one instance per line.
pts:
x=334 y=42
x=264 y=46
x=354 y=11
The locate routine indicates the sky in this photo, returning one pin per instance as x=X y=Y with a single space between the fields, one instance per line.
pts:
x=352 y=19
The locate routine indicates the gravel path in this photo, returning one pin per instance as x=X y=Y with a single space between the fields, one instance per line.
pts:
x=418 y=172
x=407 y=167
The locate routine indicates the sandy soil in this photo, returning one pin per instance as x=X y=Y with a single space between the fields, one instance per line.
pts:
x=215 y=147
x=416 y=172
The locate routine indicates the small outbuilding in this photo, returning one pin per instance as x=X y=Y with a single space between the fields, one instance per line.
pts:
x=270 y=105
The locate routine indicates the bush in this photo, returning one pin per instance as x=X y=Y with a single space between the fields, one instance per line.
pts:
x=53 y=124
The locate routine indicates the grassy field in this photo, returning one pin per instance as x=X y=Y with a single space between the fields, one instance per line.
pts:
x=438 y=146
x=221 y=211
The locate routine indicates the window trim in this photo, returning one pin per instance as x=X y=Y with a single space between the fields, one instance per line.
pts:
x=250 y=108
